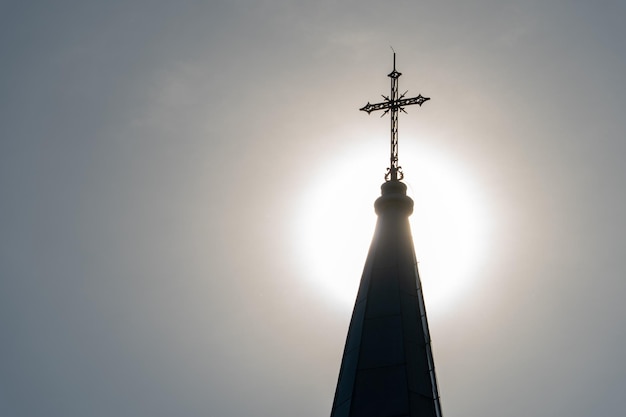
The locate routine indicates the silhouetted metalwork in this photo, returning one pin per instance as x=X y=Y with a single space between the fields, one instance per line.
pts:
x=392 y=104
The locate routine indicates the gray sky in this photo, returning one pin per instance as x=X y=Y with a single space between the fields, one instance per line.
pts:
x=184 y=184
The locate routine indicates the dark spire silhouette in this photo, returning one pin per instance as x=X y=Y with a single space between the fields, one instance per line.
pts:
x=387 y=368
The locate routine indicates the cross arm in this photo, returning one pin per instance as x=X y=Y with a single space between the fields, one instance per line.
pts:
x=398 y=104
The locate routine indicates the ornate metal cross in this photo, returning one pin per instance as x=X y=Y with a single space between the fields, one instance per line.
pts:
x=392 y=104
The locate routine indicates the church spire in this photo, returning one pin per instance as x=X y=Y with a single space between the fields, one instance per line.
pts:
x=387 y=368
x=391 y=105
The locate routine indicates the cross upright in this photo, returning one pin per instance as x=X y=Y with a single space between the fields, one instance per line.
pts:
x=392 y=104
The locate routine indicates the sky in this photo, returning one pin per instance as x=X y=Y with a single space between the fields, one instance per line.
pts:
x=187 y=188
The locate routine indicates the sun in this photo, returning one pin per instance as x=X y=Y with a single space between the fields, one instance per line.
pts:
x=449 y=225
x=335 y=223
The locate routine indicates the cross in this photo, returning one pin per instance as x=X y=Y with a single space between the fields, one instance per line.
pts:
x=394 y=103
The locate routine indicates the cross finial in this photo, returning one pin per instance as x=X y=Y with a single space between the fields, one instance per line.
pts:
x=392 y=104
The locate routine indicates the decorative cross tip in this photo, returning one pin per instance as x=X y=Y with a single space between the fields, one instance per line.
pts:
x=392 y=104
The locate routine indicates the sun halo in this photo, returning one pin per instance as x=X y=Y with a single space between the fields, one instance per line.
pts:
x=336 y=221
